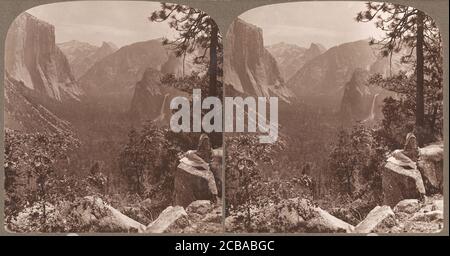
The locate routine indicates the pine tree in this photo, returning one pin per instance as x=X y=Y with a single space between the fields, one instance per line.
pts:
x=195 y=30
x=406 y=28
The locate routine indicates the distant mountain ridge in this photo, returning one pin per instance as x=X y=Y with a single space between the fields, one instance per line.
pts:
x=290 y=57
x=82 y=56
x=112 y=80
x=338 y=78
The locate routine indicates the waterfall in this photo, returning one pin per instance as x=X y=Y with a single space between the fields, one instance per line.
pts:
x=163 y=104
x=372 y=109
x=162 y=113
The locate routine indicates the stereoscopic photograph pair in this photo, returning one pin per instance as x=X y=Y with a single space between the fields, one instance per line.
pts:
x=150 y=118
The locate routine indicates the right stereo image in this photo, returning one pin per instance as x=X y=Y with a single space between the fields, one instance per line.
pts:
x=357 y=145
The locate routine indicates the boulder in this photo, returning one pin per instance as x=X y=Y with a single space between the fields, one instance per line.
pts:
x=431 y=166
x=193 y=182
x=290 y=217
x=199 y=207
x=407 y=206
x=204 y=217
x=286 y=214
x=436 y=215
x=379 y=216
x=438 y=205
x=327 y=223
x=92 y=211
x=400 y=182
x=173 y=217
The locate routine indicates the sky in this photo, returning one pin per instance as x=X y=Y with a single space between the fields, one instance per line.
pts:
x=97 y=21
x=327 y=23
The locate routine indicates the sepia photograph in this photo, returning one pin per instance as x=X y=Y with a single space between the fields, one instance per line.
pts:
x=227 y=119
x=360 y=114
x=88 y=147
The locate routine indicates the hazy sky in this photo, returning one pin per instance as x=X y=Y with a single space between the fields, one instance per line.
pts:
x=328 y=23
x=97 y=21
x=122 y=23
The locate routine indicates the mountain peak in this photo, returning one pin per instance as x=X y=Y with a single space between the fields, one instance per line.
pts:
x=317 y=46
x=109 y=45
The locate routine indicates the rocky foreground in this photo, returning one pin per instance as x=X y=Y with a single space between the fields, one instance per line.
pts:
x=412 y=203
x=412 y=184
x=301 y=216
x=196 y=205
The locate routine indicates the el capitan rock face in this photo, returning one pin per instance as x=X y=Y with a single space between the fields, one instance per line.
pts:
x=290 y=57
x=33 y=58
x=38 y=78
x=248 y=66
x=82 y=56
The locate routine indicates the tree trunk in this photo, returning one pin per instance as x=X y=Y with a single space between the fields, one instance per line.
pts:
x=184 y=63
x=213 y=60
x=420 y=109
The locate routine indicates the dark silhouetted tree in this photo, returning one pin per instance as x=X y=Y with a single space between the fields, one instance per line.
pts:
x=196 y=30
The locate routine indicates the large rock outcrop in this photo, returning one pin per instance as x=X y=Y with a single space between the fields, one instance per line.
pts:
x=32 y=57
x=413 y=216
x=94 y=212
x=431 y=165
x=401 y=180
x=324 y=222
x=408 y=206
x=194 y=181
x=200 y=216
x=377 y=217
x=412 y=172
x=172 y=217
x=248 y=66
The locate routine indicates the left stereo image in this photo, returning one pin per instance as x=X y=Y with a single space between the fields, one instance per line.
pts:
x=87 y=107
